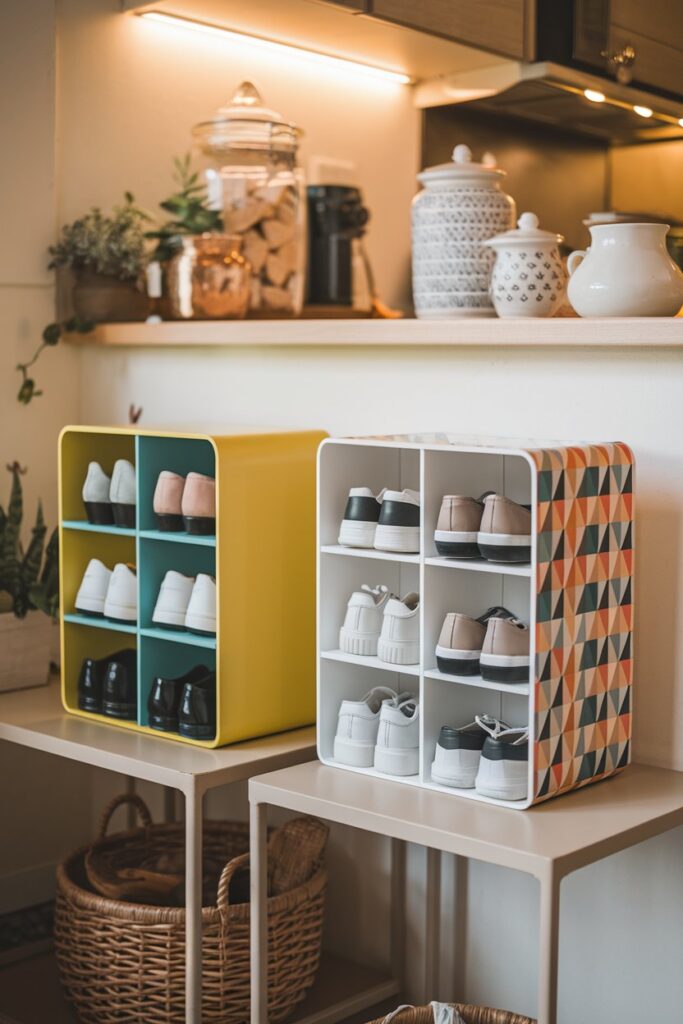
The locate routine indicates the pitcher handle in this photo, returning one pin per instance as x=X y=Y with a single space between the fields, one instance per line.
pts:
x=574 y=259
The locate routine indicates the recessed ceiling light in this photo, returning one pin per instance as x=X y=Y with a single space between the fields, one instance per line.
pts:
x=284 y=49
x=642 y=111
x=594 y=96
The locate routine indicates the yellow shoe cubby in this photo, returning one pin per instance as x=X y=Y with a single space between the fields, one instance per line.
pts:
x=262 y=557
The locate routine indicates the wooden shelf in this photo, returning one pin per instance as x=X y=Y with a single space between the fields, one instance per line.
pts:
x=654 y=332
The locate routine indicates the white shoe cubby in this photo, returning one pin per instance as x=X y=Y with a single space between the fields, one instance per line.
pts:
x=566 y=750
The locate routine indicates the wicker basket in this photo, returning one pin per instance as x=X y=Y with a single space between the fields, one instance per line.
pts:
x=124 y=963
x=470 y=1014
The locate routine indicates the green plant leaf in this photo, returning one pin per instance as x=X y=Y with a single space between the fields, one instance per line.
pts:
x=52 y=333
x=30 y=566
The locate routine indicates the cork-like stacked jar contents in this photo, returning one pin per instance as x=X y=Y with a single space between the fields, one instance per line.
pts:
x=252 y=176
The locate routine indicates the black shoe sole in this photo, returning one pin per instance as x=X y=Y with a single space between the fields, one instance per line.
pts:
x=457 y=667
x=124 y=515
x=457 y=550
x=128 y=712
x=163 y=724
x=496 y=674
x=201 y=632
x=200 y=526
x=94 y=707
x=495 y=553
x=197 y=732
x=168 y=523
x=99 y=513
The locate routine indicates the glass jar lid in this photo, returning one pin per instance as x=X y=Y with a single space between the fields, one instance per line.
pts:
x=462 y=169
x=246 y=123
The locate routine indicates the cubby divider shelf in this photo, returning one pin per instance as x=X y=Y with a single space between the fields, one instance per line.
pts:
x=575 y=595
x=265 y=488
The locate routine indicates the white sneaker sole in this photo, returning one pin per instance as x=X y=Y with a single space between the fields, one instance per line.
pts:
x=94 y=605
x=397 y=761
x=203 y=623
x=126 y=612
x=516 y=791
x=398 y=652
x=465 y=780
x=402 y=539
x=166 y=617
x=362 y=644
x=358 y=755
x=357 y=535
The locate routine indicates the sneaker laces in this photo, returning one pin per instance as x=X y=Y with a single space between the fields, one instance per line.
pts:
x=377 y=593
x=500 y=612
x=408 y=705
x=522 y=738
x=491 y=725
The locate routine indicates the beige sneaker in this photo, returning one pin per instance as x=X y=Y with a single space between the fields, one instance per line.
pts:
x=505 y=653
x=457 y=528
x=505 y=530
x=460 y=643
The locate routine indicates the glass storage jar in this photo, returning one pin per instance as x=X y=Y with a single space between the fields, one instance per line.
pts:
x=253 y=178
x=209 y=279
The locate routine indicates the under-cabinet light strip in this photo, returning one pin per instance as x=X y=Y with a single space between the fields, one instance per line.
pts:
x=341 y=63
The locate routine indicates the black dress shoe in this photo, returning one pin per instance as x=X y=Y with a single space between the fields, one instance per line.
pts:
x=90 y=682
x=120 y=687
x=197 y=711
x=164 y=698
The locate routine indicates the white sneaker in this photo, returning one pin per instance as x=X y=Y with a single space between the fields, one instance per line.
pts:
x=357 y=725
x=360 y=518
x=458 y=752
x=122 y=493
x=173 y=599
x=399 y=641
x=504 y=766
x=93 y=588
x=121 y=602
x=200 y=616
x=398 y=737
x=398 y=528
x=95 y=496
x=363 y=620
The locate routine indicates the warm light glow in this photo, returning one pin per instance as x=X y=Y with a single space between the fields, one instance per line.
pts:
x=643 y=111
x=271 y=46
x=680 y=121
x=594 y=96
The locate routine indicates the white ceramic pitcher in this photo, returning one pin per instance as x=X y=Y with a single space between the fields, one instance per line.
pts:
x=627 y=271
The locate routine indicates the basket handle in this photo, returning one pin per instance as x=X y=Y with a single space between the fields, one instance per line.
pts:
x=233 y=866
x=118 y=801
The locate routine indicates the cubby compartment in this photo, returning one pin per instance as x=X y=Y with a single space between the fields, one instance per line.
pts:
x=580 y=498
x=181 y=455
x=261 y=557
x=346 y=465
x=77 y=450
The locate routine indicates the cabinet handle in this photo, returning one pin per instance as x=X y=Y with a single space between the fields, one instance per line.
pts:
x=621 y=62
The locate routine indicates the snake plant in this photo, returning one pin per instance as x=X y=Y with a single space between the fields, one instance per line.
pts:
x=29 y=578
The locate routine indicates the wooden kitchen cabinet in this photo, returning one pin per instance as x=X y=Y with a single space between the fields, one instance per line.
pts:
x=502 y=26
x=634 y=41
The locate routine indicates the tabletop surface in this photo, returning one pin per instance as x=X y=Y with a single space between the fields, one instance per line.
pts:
x=35 y=718
x=569 y=831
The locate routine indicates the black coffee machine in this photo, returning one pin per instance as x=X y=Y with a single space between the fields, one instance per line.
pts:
x=336 y=217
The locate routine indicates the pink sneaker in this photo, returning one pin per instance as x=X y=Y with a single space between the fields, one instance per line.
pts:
x=167 y=501
x=199 y=504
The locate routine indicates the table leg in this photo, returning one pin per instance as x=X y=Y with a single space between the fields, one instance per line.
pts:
x=549 y=937
x=169 y=804
x=258 y=857
x=432 y=925
x=193 y=905
x=398 y=911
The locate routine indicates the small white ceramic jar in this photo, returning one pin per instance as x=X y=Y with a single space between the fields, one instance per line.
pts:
x=460 y=206
x=529 y=278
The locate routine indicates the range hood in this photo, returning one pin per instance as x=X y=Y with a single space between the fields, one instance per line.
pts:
x=556 y=95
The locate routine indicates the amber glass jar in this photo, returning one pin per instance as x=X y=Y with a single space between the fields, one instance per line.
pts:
x=209 y=279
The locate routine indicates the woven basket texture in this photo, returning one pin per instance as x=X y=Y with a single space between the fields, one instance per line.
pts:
x=124 y=963
x=470 y=1014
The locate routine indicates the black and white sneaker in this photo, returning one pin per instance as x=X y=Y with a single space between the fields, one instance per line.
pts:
x=504 y=765
x=458 y=751
x=360 y=518
x=398 y=528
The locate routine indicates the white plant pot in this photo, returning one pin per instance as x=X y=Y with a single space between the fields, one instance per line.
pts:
x=26 y=646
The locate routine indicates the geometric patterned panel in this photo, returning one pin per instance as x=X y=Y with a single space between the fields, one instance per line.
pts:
x=584 y=616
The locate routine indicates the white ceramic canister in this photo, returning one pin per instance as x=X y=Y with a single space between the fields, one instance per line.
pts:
x=461 y=206
x=528 y=279
x=626 y=272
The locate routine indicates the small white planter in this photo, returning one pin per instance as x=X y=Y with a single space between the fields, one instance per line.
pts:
x=26 y=646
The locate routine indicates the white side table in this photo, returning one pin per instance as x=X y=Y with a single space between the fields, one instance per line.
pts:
x=549 y=842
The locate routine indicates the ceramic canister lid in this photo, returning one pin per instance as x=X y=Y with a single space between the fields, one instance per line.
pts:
x=463 y=170
x=527 y=232
x=246 y=123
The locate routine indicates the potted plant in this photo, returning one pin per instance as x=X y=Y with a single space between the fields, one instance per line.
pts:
x=190 y=214
x=29 y=594
x=107 y=257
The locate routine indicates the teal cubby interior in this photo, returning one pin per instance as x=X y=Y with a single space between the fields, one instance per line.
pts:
x=158 y=658
x=179 y=455
x=155 y=558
